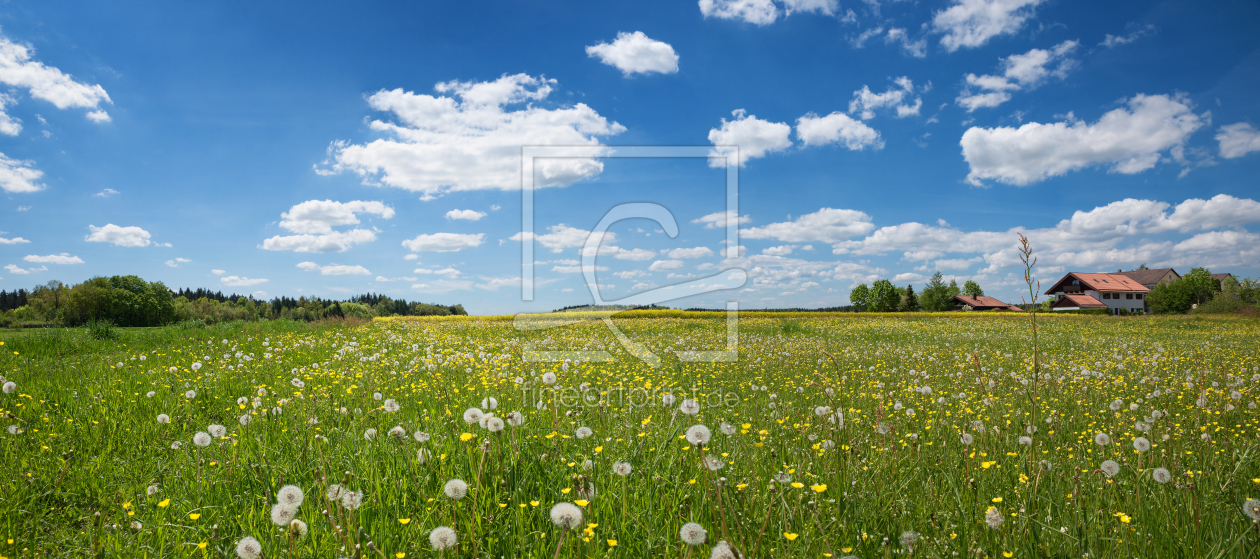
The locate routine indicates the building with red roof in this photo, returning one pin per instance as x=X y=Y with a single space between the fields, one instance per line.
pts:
x=1117 y=292
x=984 y=303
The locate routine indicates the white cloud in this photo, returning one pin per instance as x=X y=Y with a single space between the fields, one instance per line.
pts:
x=562 y=236
x=828 y=225
x=238 y=281
x=23 y=208
x=412 y=257
x=579 y=269
x=1113 y=41
x=728 y=251
x=782 y=250
x=827 y=7
x=443 y=286
x=9 y=126
x=630 y=274
x=719 y=220
x=666 y=265
x=915 y=48
x=1237 y=140
x=400 y=278
x=19 y=176
x=99 y=116
x=635 y=53
x=63 y=258
x=748 y=135
x=444 y=242
x=14 y=269
x=1022 y=72
x=758 y=12
x=620 y=253
x=218 y=272
x=447 y=272
x=334 y=269
x=13 y=241
x=865 y=102
x=106 y=193
x=971 y=23
x=337 y=241
x=175 y=262
x=47 y=83
x=120 y=236
x=471 y=215
x=837 y=127
x=696 y=252
x=320 y=216
x=1129 y=139
x=469 y=141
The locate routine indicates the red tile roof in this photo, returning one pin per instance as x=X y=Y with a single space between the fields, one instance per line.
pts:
x=1082 y=301
x=1102 y=282
x=985 y=302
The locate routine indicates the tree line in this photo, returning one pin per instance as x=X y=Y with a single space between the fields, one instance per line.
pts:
x=1200 y=292
x=132 y=301
x=883 y=296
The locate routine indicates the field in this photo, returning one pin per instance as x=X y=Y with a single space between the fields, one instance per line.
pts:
x=829 y=437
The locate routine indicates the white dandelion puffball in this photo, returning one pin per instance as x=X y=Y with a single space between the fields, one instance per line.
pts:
x=693 y=534
x=377 y=396
x=244 y=419
x=1110 y=468
x=455 y=489
x=351 y=500
x=622 y=469
x=298 y=527
x=163 y=418
x=909 y=538
x=1102 y=439
x=334 y=492
x=489 y=403
x=442 y=538
x=515 y=419
x=398 y=433
x=727 y=428
x=993 y=518
x=423 y=455
x=583 y=432
x=494 y=424
x=667 y=399
x=1252 y=509
x=217 y=431
x=201 y=439
x=136 y=525
x=822 y=411
x=282 y=514
x=196 y=366
x=174 y=446
x=713 y=463
x=190 y=394
x=472 y=415
x=689 y=407
x=150 y=394
x=722 y=550
x=566 y=515
x=484 y=419
x=391 y=406
x=420 y=436
x=698 y=435
x=1025 y=440
x=290 y=495
x=966 y=439
x=248 y=548
x=549 y=378
x=1141 y=444
x=1161 y=475
x=151 y=490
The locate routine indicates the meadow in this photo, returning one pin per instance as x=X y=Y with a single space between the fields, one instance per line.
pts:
x=864 y=436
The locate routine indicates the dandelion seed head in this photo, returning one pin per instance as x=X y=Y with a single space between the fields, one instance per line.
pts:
x=693 y=534
x=567 y=516
x=290 y=495
x=201 y=439
x=442 y=538
x=698 y=435
x=455 y=489
x=282 y=514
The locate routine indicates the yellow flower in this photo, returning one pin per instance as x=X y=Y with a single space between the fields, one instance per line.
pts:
x=612 y=543
x=465 y=437
x=798 y=484
x=404 y=520
x=533 y=503
x=1007 y=554
x=819 y=488
x=790 y=536
x=165 y=503
x=400 y=555
x=1023 y=478
x=846 y=549
x=566 y=490
x=581 y=502
x=599 y=449
x=997 y=499
x=126 y=505
x=202 y=545
x=194 y=515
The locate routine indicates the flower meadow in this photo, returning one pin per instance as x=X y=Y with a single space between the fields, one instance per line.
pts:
x=828 y=437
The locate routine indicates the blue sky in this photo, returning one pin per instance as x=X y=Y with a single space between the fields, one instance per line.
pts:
x=331 y=148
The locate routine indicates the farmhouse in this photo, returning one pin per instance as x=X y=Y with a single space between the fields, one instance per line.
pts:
x=984 y=303
x=1150 y=278
x=1117 y=292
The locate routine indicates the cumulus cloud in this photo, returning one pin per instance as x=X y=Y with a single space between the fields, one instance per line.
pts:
x=865 y=102
x=1113 y=41
x=666 y=265
x=63 y=258
x=175 y=262
x=314 y=220
x=971 y=23
x=827 y=225
x=635 y=53
x=782 y=250
x=697 y=252
x=1022 y=72
x=1237 y=140
x=447 y=272
x=106 y=193
x=47 y=83
x=837 y=128
x=334 y=269
x=1129 y=139
x=13 y=241
x=561 y=236
x=120 y=236
x=747 y=137
x=719 y=220
x=15 y=269
x=239 y=281
x=579 y=269
x=764 y=12
x=472 y=139
x=444 y=242
x=470 y=215
x=620 y=253
x=911 y=47
x=19 y=176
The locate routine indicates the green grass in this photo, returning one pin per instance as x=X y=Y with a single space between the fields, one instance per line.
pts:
x=86 y=441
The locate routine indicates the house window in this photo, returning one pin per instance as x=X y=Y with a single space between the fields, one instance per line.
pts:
x=1106 y=295
x=1139 y=296
x=1128 y=295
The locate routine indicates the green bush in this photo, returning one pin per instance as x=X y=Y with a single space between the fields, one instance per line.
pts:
x=101 y=330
